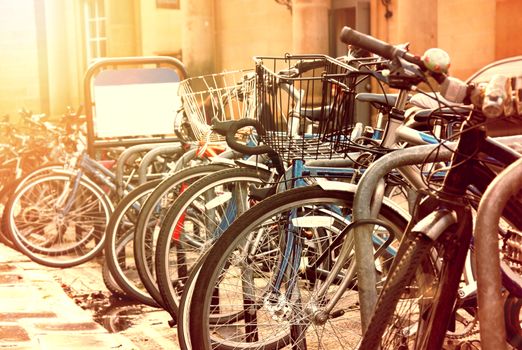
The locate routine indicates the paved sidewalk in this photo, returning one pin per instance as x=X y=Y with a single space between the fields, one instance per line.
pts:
x=36 y=313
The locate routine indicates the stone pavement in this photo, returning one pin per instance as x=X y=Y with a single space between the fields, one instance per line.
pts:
x=37 y=313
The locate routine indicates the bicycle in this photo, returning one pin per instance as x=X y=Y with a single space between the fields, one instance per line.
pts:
x=224 y=95
x=415 y=284
x=34 y=148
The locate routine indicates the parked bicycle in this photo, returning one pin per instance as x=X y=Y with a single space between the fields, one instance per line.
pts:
x=416 y=304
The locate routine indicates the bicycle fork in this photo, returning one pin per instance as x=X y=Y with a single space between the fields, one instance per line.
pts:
x=65 y=200
x=452 y=228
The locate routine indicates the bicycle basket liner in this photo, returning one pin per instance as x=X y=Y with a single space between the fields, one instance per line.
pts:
x=225 y=96
x=306 y=104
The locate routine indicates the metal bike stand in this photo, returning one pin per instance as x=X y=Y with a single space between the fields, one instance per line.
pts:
x=152 y=154
x=123 y=159
x=192 y=154
x=369 y=182
x=124 y=98
x=489 y=284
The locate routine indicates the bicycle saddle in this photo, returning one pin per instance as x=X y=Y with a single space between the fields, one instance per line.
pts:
x=383 y=100
x=315 y=113
x=432 y=101
x=447 y=113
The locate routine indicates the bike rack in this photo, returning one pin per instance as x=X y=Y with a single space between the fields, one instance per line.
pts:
x=489 y=284
x=151 y=155
x=123 y=159
x=366 y=188
x=131 y=100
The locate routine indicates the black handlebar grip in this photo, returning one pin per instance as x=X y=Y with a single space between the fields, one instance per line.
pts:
x=229 y=130
x=350 y=36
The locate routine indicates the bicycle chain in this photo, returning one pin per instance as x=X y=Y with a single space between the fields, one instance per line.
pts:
x=471 y=331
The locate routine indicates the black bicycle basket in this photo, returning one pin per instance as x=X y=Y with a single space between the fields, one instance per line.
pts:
x=306 y=104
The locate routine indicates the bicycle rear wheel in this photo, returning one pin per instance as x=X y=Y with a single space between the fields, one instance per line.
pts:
x=57 y=232
x=244 y=297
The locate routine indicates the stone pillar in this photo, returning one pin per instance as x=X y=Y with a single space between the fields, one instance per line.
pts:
x=310 y=26
x=417 y=21
x=401 y=21
x=198 y=40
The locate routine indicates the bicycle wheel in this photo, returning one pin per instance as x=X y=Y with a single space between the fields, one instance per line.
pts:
x=512 y=309
x=10 y=188
x=59 y=220
x=110 y=283
x=197 y=217
x=119 y=251
x=257 y=289
x=151 y=217
x=400 y=286
x=416 y=304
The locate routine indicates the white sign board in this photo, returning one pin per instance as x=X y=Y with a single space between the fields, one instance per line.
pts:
x=135 y=102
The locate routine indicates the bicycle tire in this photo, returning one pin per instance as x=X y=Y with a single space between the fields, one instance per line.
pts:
x=119 y=251
x=6 y=192
x=204 y=335
x=149 y=215
x=402 y=276
x=9 y=189
x=415 y=307
x=183 y=314
x=217 y=187
x=76 y=237
x=110 y=283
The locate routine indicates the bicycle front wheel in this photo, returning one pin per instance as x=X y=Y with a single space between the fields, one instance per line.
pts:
x=59 y=220
x=119 y=248
x=195 y=219
x=415 y=307
x=267 y=282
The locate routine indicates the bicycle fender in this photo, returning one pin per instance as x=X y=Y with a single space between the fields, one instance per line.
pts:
x=329 y=185
x=223 y=161
x=435 y=223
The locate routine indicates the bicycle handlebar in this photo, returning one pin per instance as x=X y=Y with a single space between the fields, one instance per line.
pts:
x=494 y=101
x=350 y=36
x=229 y=129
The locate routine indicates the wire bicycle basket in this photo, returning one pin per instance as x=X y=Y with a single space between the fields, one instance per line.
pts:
x=222 y=96
x=306 y=104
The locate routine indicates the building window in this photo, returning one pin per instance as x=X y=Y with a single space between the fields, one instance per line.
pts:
x=95 y=29
x=167 y=4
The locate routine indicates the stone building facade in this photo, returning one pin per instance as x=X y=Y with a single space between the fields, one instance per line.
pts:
x=47 y=45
